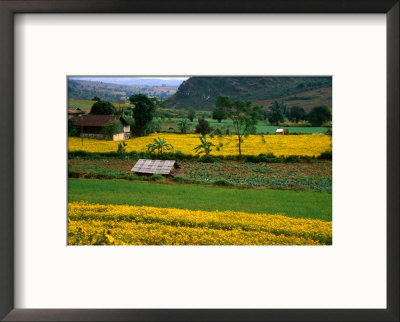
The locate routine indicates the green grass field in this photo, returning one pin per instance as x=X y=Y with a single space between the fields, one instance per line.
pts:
x=86 y=105
x=262 y=127
x=298 y=204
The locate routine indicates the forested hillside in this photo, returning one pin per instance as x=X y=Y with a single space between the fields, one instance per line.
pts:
x=200 y=92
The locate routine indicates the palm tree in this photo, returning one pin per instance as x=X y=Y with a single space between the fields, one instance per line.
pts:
x=159 y=145
x=205 y=146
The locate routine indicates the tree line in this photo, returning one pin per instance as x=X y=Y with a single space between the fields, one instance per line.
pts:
x=279 y=112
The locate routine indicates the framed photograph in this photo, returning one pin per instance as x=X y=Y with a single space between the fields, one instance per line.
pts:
x=198 y=161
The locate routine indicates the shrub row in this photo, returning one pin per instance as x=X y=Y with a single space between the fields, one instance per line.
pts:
x=178 y=179
x=270 y=157
x=114 y=175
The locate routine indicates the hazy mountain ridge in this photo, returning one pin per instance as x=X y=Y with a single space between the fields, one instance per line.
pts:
x=200 y=92
x=132 y=81
x=86 y=90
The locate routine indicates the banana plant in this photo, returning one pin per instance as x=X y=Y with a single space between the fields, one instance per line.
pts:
x=205 y=146
x=159 y=145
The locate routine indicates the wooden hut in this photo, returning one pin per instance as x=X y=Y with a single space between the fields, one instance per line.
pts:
x=91 y=126
x=75 y=113
x=163 y=167
x=282 y=131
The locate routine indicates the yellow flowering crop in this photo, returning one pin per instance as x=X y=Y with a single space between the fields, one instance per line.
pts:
x=133 y=225
x=279 y=145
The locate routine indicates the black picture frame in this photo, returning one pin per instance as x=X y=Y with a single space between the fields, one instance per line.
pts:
x=8 y=8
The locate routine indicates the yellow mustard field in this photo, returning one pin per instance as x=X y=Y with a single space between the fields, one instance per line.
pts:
x=279 y=145
x=94 y=224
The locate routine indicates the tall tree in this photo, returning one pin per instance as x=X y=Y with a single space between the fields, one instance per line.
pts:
x=276 y=117
x=279 y=105
x=297 y=113
x=244 y=117
x=143 y=113
x=103 y=108
x=203 y=127
x=319 y=115
x=278 y=110
x=219 y=114
x=191 y=115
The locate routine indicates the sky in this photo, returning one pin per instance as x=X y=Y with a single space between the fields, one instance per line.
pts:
x=181 y=78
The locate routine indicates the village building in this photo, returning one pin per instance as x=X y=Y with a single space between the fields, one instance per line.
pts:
x=148 y=167
x=91 y=126
x=75 y=112
x=282 y=131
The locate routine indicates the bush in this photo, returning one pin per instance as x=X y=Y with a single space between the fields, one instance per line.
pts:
x=219 y=113
x=253 y=159
x=178 y=155
x=218 y=132
x=271 y=158
x=112 y=127
x=292 y=158
x=203 y=127
x=183 y=180
x=183 y=126
x=102 y=174
x=72 y=130
x=191 y=115
x=319 y=115
x=267 y=158
x=156 y=177
x=208 y=159
x=307 y=158
x=103 y=108
x=327 y=155
x=152 y=126
x=223 y=183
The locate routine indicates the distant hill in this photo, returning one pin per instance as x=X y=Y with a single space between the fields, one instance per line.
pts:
x=86 y=90
x=200 y=93
x=134 y=81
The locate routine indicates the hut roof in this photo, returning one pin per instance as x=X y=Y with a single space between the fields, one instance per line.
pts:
x=153 y=166
x=98 y=120
x=75 y=111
